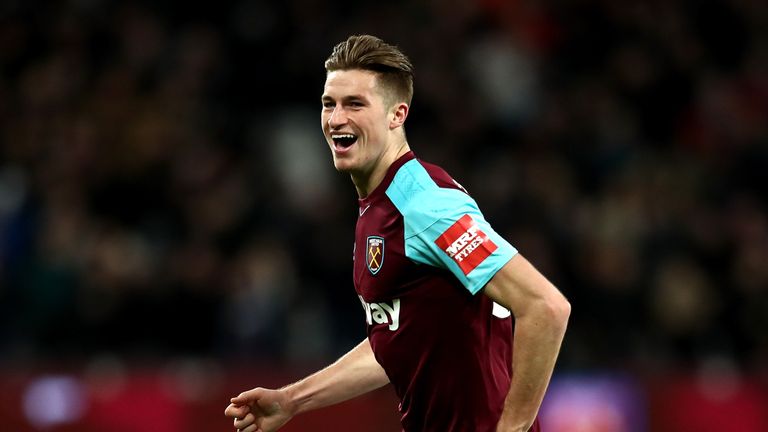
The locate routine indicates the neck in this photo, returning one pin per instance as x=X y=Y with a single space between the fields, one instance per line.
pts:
x=365 y=183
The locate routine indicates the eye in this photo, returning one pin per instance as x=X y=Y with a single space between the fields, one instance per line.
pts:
x=328 y=104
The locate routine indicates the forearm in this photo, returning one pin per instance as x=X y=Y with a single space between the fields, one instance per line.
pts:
x=541 y=316
x=537 y=340
x=354 y=374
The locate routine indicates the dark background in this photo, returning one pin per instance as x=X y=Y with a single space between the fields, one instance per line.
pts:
x=166 y=192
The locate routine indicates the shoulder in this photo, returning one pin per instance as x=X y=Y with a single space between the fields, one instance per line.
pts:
x=416 y=184
x=441 y=177
x=424 y=193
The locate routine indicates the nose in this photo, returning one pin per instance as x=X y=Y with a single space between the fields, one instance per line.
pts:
x=337 y=118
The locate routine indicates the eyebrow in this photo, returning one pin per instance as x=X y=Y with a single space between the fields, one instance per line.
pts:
x=349 y=98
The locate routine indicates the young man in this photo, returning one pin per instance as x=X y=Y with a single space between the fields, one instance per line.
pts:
x=436 y=283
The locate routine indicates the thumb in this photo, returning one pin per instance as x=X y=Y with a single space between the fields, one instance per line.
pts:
x=247 y=397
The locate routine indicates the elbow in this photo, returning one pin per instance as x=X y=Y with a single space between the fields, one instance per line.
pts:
x=557 y=310
x=564 y=309
x=566 y=312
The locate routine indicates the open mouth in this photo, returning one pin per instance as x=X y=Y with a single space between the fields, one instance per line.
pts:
x=344 y=140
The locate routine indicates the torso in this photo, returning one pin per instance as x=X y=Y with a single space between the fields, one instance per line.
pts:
x=446 y=354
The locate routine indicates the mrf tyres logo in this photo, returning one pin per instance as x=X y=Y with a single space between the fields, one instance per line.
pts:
x=382 y=313
x=466 y=244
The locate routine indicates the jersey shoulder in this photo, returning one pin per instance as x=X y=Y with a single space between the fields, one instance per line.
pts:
x=441 y=177
x=443 y=226
x=424 y=193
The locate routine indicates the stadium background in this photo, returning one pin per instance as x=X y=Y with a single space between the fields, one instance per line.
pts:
x=172 y=231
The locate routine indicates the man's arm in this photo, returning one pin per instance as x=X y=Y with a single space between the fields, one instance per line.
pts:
x=266 y=410
x=354 y=374
x=541 y=316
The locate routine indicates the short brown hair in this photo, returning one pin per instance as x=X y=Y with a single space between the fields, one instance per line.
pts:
x=393 y=68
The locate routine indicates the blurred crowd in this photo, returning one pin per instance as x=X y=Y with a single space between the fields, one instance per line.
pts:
x=165 y=188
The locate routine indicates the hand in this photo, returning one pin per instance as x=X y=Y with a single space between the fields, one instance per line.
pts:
x=259 y=410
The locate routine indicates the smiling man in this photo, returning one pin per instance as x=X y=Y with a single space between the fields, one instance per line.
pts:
x=465 y=329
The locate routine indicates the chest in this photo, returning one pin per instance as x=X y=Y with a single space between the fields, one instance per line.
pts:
x=381 y=269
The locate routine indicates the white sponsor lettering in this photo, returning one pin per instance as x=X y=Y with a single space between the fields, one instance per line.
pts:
x=382 y=313
x=462 y=241
x=500 y=311
x=468 y=250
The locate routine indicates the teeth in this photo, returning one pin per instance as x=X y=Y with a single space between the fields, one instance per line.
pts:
x=342 y=136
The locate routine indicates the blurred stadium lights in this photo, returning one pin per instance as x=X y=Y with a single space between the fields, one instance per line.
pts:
x=52 y=400
x=594 y=403
x=189 y=395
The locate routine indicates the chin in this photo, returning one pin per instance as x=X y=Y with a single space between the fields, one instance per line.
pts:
x=342 y=166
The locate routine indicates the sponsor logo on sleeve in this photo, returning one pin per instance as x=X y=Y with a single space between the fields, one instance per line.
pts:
x=466 y=244
x=374 y=253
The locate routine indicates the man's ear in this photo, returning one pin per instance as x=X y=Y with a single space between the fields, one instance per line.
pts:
x=398 y=115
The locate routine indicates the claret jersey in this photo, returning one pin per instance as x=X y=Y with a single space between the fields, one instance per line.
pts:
x=423 y=250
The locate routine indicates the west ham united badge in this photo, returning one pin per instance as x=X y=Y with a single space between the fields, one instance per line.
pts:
x=374 y=254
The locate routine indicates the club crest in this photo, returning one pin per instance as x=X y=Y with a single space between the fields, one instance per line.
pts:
x=374 y=254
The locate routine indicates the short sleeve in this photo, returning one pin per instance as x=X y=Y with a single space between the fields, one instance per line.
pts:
x=444 y=228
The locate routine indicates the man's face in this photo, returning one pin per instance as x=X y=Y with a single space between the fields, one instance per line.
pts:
x=355 y=120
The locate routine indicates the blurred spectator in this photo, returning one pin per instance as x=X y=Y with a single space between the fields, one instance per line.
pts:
x=164 y=187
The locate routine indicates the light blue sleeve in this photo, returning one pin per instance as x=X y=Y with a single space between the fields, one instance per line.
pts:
x=444 y=228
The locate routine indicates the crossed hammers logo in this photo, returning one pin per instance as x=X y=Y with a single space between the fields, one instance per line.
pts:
x=375 y=253
x=374 y=263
